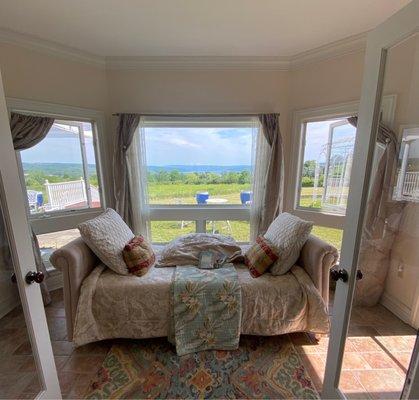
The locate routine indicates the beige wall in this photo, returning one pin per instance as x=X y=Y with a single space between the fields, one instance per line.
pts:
x=33 y=75
x=212 y=91
x=327 y=82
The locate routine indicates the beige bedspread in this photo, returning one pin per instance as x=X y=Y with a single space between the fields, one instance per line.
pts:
x=116 y=306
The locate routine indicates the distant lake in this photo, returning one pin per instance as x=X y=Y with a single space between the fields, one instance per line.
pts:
x=218 y=169
x=63 y=168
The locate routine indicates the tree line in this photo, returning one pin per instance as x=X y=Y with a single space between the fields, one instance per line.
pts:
x=196 y=178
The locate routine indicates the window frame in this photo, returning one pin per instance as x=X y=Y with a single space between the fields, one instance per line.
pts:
x=330 y=210
x=59 y=220
x=300 y=119
x=200 y=214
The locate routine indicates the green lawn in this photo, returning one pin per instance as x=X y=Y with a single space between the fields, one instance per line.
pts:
x=165 y=231
x=181 y=193
x=330 y=235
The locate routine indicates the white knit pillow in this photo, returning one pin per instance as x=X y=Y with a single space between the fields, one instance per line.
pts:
x=288 y=233
x=107 y=235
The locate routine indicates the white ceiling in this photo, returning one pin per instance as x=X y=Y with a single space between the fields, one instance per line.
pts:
x=124 y=28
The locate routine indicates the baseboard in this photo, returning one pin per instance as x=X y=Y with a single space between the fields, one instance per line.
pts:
x=399 y=309
x=55 y=280
x=8 y=304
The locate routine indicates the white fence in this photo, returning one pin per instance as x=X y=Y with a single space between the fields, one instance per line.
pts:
x=65 y=194
x=411 y=185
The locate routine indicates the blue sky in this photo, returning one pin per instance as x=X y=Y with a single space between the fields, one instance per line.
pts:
x=198 y=146
x=60 y=147
x=182 y=146
x=317 y=135
x=164 y=146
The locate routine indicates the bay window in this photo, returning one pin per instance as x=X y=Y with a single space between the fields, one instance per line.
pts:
x=199 y=175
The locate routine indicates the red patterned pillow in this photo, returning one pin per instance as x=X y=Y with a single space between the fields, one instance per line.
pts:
x=138 y=256
x=260 y=256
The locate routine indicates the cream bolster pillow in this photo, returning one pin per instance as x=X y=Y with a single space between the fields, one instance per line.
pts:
x=107 y=235
x=288 y=234
x=185 y=250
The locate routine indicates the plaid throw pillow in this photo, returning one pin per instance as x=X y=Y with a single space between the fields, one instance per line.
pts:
x=260 y=256
x=138 y=256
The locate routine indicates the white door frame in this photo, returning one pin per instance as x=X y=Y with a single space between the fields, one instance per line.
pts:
x=14 y=211
x=398 y=27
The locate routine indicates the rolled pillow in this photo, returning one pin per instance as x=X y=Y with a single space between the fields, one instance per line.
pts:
x=185 y=250
x=260 y=256
x=288 y=234
x=138 y=255
x=107 y=236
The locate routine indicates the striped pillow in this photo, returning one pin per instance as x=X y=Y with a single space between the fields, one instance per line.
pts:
x=138 y=256
x=260 y=256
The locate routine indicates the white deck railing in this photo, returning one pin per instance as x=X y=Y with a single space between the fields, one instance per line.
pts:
x=411 y=185
x=64 y=194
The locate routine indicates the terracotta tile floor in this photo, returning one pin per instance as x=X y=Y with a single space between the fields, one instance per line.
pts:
x=376 y=359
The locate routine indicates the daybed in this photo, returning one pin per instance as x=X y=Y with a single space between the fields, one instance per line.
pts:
x=116 y=306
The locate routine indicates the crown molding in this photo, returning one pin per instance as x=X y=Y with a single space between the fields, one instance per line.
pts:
x=202 y=63
x=51 y=48
x=350 y=45
x=339 y=48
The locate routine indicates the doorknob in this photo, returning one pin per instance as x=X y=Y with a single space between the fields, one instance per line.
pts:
x=341 y=274
x=33 y=276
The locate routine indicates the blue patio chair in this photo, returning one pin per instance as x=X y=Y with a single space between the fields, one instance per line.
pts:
x=246 y=196
x=202 y=197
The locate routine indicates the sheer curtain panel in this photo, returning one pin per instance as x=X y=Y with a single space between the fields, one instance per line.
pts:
x=268 y=182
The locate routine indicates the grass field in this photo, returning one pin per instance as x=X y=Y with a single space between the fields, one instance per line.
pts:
x=182 y=193
x=165 y=231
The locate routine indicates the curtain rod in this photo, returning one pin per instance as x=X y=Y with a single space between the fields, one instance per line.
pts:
x=196 y=115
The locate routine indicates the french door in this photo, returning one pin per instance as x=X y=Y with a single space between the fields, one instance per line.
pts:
x=385 y=46
x=27 y=365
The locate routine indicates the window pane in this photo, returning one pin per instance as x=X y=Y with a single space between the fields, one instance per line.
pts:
x=53 y=169
x=239 y=230
x=327 y=165
x=329 y=235
x=199 y=165
x=48 y=242
x=91 y=164
x=165 y=231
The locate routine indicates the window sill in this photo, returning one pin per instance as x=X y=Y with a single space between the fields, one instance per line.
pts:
x=64 y=213
x=323 y=211
x=62 y=221
x=321 y=218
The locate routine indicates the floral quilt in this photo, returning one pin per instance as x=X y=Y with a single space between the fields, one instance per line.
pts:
x=206 y=309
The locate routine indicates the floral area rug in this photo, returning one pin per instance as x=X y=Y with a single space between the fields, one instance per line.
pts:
x=262 y=367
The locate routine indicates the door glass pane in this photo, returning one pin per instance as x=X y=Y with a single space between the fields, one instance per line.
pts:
x=18 y=373
x=383 y=324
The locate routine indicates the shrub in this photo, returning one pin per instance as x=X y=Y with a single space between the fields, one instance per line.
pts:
x=307 y=181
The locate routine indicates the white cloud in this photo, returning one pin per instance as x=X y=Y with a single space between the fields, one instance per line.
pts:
x=198 y=146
